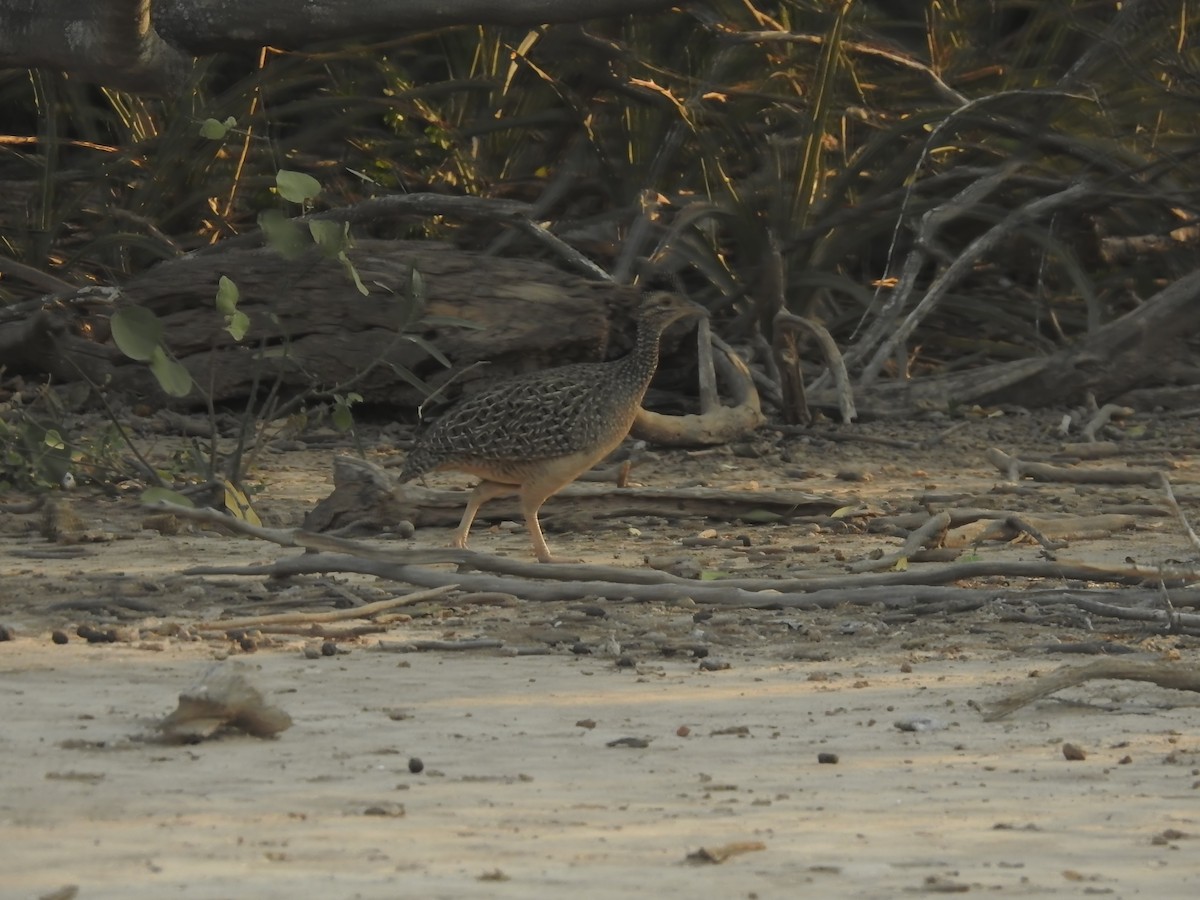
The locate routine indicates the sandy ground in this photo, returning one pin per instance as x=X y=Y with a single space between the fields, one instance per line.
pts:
x=520 y=792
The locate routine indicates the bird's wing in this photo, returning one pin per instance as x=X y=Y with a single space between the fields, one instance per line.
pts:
x=535 y=416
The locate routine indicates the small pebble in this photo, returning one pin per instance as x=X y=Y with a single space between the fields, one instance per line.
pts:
x=827 y=759
x=415 y=765
x=59 y=636
x=329 y=648
x=634 y=742
x=391 y=810
x=626 y=662
x=683 y=731
x=713 y=664
x=311 y=652
x=95 y=635
x=6 y=633
x=919 y=723
x=1073 y=753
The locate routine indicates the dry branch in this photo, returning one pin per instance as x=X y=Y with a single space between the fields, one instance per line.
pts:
x=1164 y=675
x=270 y=622
x=718 y=425
x=1015 y=469
x=365 y=493
x=930 y=534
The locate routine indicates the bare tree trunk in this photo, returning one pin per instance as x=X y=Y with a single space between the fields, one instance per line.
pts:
x=207 y=26
x=143 y=46
x=112 y=42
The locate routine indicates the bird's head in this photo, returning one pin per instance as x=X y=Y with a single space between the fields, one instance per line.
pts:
x=662 y=308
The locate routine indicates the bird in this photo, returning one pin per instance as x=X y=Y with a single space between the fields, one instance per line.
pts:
x=535 y=433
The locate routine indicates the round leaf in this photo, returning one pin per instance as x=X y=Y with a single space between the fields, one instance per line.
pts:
x=283 y=235
x=343 y=419
x=165 y=495
x=227 y=296
x=296 y=186
x=330 y=236
x=213 y=130
x=137 y=332
x=237 y=325
x=172 y=377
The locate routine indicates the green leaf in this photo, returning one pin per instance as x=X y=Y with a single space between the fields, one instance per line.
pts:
x=416 y=285
x=343 y=419
x=237 y=325
x=353 y=273
x=137 y=332
x=429 y=348
x=214 y=130
x=283 y=235
x=330 y=236
x=155 y=495
x=171 y=374
x=227 y=296
x=296 y=186
x=54 y=440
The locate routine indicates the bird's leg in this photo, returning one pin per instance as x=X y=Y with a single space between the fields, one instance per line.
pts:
x=533 y=495
x=483 y=492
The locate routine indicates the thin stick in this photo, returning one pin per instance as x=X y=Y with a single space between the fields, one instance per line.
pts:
x=1016 y=469
x=337 y=615
x=1164 y=675
x=1179 y=514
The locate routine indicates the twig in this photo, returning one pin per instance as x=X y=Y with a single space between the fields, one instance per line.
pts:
x=928 y=585
x=895 y=57
x=787 y=324
x=964 y=262
x=410 y=646
x=295 y=537
x=1179 y=514
x=327 y=634
x=1020 y=525
x=1164 y=675
x=337 y=615
x=1016 y=469
x=1102 y=417
x=929 y=533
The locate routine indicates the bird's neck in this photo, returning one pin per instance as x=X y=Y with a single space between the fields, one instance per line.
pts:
x=643 y=360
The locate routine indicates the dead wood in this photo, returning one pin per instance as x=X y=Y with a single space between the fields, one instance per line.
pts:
x=1134 y=349
x=1179 y=513
x=1103 y=416
x=317 y=330
x=401 y=560
x=1051 y=531
x=29 y=344
x=930 y=534
x=469 y=644
x=786 y=327
x=1165 y=675
x=1015 y=469
x=270 y=622
x=829 y=593
x=716 y=424
x=365 y=494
